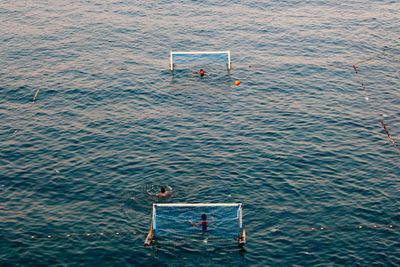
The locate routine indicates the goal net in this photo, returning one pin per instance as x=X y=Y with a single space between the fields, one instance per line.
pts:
x=181 y=220
x=200 y=59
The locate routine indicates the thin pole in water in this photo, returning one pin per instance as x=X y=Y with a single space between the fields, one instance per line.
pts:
x=36 y=95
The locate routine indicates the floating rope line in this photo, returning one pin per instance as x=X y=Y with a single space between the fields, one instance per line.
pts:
x=388 y=134
x=356 y=68
x=357 y=71
x=370 y=58
x=88 y=235
x=113 y=234
x=378 y=54
x=340 y=228
x=350 y=228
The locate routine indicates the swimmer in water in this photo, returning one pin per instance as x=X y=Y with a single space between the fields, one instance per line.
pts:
x=203 y=223
x=201 y=72
x=163 y=192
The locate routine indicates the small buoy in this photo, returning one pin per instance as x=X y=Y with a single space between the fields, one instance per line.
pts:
x=237 y=82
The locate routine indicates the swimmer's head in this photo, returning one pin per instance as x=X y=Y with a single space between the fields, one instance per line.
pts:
x=162 y=189
x=203 y=217
x=201 y=72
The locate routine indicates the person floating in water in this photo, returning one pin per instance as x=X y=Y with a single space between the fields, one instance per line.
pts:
x=203 y=223
x=201 y=72
x=163 y=192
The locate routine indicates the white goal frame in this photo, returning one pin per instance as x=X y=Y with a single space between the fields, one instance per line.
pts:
x=153 y=226
x=171 y=57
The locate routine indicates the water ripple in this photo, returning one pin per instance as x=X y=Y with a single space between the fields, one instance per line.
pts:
x=299 y=142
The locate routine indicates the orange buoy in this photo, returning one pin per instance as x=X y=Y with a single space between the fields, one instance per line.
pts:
x=237 y=82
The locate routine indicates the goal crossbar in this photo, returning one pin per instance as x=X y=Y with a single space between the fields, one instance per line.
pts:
x=198 y=205
x=180 y=53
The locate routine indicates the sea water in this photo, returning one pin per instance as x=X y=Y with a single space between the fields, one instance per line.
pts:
x=299 y=142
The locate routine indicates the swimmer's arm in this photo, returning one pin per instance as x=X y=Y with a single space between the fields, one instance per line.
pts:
x=197 y=223
x=193 y=223
x=166 y=194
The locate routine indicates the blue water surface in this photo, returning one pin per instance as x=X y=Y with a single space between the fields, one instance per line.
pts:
x=299 y=142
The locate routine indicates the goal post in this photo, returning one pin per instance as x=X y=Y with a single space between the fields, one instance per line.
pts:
x=182 y=57
x=150 y=235
x=219 y=221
